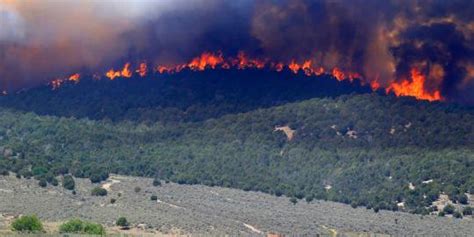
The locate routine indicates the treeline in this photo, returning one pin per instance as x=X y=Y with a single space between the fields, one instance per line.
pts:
x=183 y=97
x=362 y=150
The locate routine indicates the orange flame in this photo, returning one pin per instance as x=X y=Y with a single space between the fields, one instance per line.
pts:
x=55 y=84
x=126 y=72
x=414 y=87
x=206 y=60
x=142 y=69
x=294 y=67
x=338 y=74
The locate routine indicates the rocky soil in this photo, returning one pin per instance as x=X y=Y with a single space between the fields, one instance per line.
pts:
x=202 y=210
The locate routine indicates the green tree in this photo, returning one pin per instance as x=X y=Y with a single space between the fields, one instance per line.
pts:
x=449 y=209
x=467 y=211
x=30 y=224
x=68 y=182
x=122 y=222
x=42 y=183
x=77 y=226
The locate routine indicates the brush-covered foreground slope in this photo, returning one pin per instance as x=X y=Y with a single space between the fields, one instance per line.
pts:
x=360 y=149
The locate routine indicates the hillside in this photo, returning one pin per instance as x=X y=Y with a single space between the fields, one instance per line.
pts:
x=188 y=96
x=189 y=210
x=359 y=149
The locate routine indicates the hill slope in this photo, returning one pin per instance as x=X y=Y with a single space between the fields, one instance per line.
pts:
x=359 y=149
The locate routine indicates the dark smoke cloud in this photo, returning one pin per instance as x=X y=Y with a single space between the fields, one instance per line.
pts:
x=41 y=40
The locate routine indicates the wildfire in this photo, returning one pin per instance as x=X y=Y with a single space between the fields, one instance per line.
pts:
x=206 y=60
x=142 y=69
x=414 y=87
x=125 y=72
x=55 y=84
x=338 y=74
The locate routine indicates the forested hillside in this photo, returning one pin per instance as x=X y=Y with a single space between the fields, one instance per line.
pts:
x=186 y=96
x=358 y=149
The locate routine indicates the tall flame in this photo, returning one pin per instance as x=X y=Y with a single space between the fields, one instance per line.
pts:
x=414 y=87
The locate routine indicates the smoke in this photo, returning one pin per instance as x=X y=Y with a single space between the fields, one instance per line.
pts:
x=382 y=40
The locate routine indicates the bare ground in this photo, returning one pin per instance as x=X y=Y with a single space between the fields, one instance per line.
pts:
x=202 y=210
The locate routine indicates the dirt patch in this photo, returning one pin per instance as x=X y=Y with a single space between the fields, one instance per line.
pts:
x=109 y=182
x=290 y=133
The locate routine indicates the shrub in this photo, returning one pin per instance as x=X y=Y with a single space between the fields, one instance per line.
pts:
x=113 y=200
x=463 y=199
x=122 y=222
x=99 y=176
x=467 y=211
x=293 y=200
x=27 y=224
x=449 y=209
x=153 y=198
x=77 y=226
x=68 y=182
x=137 y=189
x=54 y=182
x=156 y=182
x=441 y=213
x=42 y=183
x=457 y=214
x=98 y=191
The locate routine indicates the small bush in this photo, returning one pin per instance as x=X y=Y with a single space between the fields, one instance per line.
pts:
x=113 y=200
x=122 y=222
x=54 y=182
x=68 y=182
x=293 y=200
x=441 y=213
x=463 y=199
x=77 y=226
x=467 y=211
x=457 y=214
x=156 y=182
x=137 y=189
x=42 y=183
x=153 y=198
x=449 y=209
x=30 y=224
x=98 y=191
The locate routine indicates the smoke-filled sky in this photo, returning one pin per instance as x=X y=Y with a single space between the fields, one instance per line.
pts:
x=45 y=39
